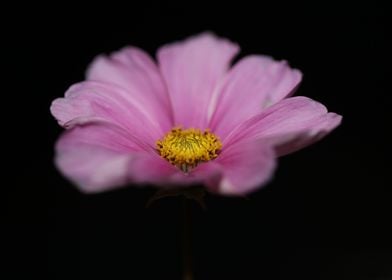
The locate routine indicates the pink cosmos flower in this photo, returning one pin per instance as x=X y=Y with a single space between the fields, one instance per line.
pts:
x=187 y=118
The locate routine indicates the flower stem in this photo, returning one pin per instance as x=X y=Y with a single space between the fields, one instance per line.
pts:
x=186 y=241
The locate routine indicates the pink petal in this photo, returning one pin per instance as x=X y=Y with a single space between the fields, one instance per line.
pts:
x=99 y=157
x=153 y=169
x=90 y=102
x=95 y=157
x=288 y=125
x=240 y=168
x=253 y=84
x=93 y=169
x=135 y=71
x=314 y=132
x=192 y=69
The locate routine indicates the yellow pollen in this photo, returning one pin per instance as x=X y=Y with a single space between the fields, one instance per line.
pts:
x=189 y=147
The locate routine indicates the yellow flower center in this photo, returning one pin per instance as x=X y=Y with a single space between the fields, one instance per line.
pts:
x=189 y=147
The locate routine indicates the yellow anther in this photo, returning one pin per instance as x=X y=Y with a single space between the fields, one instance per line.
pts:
x=187 y=148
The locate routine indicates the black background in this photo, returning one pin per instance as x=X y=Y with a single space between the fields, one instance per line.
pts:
x=327 y=213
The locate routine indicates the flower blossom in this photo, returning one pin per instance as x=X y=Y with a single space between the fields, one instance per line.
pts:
x=188 y=118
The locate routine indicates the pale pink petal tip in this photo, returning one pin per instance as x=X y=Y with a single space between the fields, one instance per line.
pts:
x=93 y=169
x=321 y=128
x=289 y=125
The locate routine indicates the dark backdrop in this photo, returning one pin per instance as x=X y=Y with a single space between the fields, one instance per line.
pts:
x=327 y=213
